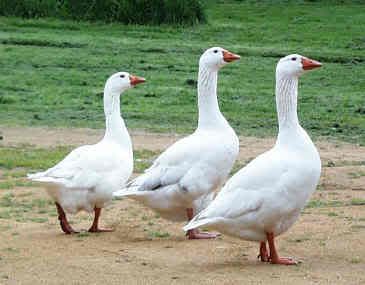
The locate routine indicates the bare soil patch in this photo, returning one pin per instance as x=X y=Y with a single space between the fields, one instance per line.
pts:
x=329 y=237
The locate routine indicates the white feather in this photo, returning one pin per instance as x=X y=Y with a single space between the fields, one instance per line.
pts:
x=87 y=177
x=268 y=194
x=188 y=172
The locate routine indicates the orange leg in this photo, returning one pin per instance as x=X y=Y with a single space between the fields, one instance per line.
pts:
x=95 y=228
x=65 y=226
x=195 y=233
x=263 y=255
x=274 y=257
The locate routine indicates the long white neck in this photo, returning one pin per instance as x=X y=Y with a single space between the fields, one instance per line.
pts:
x=115 y=127
x=209 y=113
x=286 y=102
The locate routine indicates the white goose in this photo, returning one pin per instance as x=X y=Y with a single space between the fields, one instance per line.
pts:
x=265 y=198
x=86 y=178
x=182 y=180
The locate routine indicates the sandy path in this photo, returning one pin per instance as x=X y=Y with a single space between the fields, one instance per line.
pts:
x=330 y=240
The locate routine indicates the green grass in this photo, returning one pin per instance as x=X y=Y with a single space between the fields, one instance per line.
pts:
x=321 y=204
x=16 y=162
x=355 y=260
x=53 y=72
x=143 y=159
x=315 y=203
x=357 y=202
x=159 y=234
x=23 y=210
x=357 y=174
x=29 y=158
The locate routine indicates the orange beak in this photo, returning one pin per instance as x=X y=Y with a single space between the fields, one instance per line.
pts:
x=136 y=80
x=229 y=57
x=309 y=64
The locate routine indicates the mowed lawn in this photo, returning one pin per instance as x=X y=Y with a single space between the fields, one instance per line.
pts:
x=52 y=72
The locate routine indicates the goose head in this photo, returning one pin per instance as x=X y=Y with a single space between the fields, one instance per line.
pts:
x=295 y=65
x=121 y=81
x=216 y=57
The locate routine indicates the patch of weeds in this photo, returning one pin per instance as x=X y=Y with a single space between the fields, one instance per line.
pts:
x=7 y=185
x=158 y=234
x=11 y=249
x=236 y=167
x=7 y=200
x=321 y=187
x=24 y=183
x=347 y=218
x=321 y=204
x=5 y=215
x=355 y=260
x=332 y=214
x=15 y=173
x=31 y=158
x=355 y=175
x=4 y=276
x=18 y=208
x=143 y=159
x=330 y=163
x=357 y=202
x=83 y=234
x=141 y=165
x=144 y=218
x=350 y=163
x=358 y=227
x=11 y=183
x=145 y=153
x=21 y=219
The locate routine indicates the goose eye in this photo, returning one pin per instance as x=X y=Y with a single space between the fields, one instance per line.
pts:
x=215 y=51
x=122 y=76
x=293 y=58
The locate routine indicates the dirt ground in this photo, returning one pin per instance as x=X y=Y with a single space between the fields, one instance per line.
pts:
x=329 y=238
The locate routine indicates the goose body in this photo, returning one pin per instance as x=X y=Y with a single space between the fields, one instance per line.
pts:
x=86 y=178
x=186 y=174
x=266 y=196
x=264 y=199
x=182 y=180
